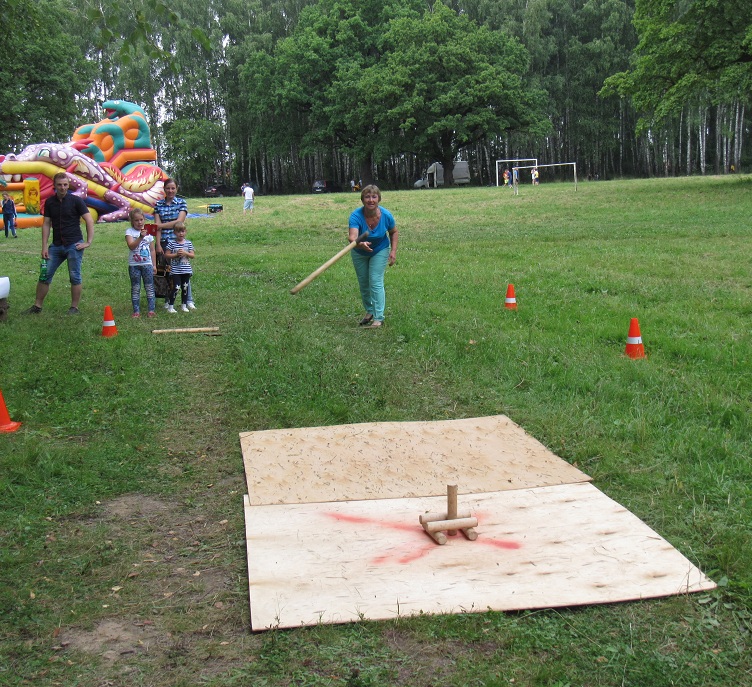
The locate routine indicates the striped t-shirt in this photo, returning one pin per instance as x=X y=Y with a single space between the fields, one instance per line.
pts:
x=180 y=265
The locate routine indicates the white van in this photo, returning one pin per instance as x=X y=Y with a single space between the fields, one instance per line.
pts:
x=434 y=175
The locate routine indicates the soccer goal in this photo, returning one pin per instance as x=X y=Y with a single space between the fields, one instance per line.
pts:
x=514 y=160
x=573 y=165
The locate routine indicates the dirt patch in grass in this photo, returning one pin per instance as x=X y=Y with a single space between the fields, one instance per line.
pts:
x=114 y=639
x=180 y=592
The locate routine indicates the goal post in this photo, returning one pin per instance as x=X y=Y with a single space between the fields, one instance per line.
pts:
x=555 y=164
x=515 y=159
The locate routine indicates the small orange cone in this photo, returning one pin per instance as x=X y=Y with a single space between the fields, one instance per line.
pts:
x=634 y=349
x=510 y=301
x=108 y=325
x=6 y=424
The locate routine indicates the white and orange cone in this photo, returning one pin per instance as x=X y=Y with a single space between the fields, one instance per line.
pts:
x=6 y=424
x=108 y=324
x=510 y=301
x=634 y=348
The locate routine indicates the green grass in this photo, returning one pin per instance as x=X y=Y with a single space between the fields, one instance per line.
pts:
x=126 y=478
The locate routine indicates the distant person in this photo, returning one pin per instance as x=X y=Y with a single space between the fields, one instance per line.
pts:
x=248 y=202
x=535 y=176
x=63 y=213
x=370 y=257
x=168 y=212
x=9 y=215
x=507 y=177
x=142 y=262
x=180 y=252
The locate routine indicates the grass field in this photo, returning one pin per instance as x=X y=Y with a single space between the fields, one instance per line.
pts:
x=122 y=558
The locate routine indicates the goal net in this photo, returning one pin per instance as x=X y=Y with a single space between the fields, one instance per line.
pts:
x=515 y=160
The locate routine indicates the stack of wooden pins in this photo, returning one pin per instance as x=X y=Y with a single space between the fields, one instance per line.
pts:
x=435 y=524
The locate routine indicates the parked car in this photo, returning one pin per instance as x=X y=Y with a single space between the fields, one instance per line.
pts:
x=324 y=186
x=219 y=190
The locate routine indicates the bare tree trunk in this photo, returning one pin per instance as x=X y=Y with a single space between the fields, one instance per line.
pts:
x=703 y=128
x=689 y=142
x=738 y=135
x=719 y=116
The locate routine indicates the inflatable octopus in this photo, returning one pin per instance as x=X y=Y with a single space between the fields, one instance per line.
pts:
x=110 y=165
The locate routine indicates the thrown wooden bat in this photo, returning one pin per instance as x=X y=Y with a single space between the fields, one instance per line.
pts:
x=328 y=263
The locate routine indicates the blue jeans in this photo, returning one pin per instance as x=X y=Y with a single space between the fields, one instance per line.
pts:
x=137 y=273
x=10 y=224
x=59 y=255
x=370 y=272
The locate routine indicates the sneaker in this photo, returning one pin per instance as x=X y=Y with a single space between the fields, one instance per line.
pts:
x=167 y=305
x=136 y=315
x=191 y=305
x=170 y=309
x=73 y=311
x=33 y=310
x=184 y=308
x=151 y=313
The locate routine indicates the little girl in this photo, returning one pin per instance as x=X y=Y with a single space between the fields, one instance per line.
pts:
x=180 y=252
x=142 y=261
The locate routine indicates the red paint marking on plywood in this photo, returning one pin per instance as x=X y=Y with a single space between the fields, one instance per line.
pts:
x=499 y=543
x=360 y=520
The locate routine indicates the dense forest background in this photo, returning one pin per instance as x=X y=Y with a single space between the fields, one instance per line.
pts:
x=282 y=92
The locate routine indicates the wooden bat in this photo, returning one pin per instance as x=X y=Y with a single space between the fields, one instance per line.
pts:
x=187 y=330
x=328 y=264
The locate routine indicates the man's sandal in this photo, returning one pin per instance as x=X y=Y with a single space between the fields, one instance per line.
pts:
x=366 y=320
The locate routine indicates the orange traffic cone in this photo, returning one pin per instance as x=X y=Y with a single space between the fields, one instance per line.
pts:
x=634 y=349
x=510 y=301
x=6 y=424
x=108 y=325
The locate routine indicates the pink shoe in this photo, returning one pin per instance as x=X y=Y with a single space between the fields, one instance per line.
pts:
x=151 y=313
x=136 y=315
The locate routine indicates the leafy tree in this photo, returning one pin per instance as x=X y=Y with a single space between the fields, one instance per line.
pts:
x=194 y=149
x=688 y=49
x=444 y=83
x=42 y=73
x=306 y=92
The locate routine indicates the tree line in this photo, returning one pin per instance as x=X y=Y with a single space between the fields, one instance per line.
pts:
x=282 y=92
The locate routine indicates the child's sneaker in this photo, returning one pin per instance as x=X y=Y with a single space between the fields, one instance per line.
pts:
x=191 y=305
x=170 y=309
x=136 y=315
x=151 y=313
x=184 y=308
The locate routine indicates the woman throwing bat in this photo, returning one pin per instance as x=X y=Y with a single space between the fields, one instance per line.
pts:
x=371 y=256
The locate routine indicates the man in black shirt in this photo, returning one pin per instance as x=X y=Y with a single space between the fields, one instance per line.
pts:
x=63 y=212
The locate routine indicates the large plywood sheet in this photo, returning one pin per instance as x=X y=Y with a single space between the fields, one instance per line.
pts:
x=383 y=460
x=543 y=547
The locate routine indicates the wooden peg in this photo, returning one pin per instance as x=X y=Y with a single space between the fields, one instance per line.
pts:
x=452 y=506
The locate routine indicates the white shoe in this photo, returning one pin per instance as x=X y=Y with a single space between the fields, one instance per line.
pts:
x=191 y=305
x=166 y=305
x=184 y=308
x=171 y=309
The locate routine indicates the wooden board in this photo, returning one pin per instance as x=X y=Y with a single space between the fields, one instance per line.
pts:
x=382 y=460
x=562 y=545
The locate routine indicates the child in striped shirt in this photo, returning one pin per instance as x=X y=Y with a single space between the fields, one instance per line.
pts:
x=180 y=252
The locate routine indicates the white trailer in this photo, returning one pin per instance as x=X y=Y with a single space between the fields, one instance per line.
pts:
x=434 y=175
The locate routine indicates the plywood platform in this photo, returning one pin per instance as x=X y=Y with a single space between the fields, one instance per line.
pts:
x=383 y=460
x=333 y=534
x=554 y=546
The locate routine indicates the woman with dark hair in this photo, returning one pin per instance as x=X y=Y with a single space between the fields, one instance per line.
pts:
x=371 y=256
x=168 y=212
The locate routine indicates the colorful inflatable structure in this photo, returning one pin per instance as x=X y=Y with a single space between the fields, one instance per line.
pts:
x=110 y=165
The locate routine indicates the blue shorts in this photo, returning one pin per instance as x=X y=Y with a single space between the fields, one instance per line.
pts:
x=58 y=255
x=248 y=205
